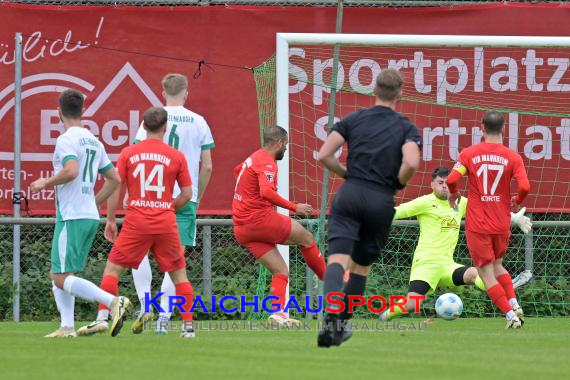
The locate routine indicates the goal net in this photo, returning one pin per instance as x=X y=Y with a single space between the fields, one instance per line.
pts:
x=450 y=81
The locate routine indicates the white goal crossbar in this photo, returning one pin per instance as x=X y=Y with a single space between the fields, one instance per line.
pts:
x=284 y=40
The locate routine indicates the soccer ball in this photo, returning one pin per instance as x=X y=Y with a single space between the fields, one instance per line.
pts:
x=448 y=306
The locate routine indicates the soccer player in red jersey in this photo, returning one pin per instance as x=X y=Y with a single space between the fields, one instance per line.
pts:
x=149 y=169
x=258 y=227
x=490 y=166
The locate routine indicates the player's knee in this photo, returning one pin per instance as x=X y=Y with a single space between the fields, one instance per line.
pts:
x=112 y=270
x=411 y=305
x=280 y=270
x=59 y=278
x=470 y=275
x=306 y=238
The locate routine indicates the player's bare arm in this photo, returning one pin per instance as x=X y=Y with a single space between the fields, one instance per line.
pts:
x=126 y=200
x=110 y=192
x=112 y=183
x=111 y=230
x=327 y=154
x=410 y=162
x=67 y=174
x=206 y=168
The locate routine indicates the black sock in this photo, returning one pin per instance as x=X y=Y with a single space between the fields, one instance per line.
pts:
x=333 y=279
x=354 y=287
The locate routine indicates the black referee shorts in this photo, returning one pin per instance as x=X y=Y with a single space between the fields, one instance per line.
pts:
x=360 y=221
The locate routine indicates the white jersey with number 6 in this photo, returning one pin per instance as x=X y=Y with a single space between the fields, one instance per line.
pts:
x=189 y=133
x=76 y=199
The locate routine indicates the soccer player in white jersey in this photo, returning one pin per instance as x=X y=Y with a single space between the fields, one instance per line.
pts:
x=78 y=159
x=189 y=133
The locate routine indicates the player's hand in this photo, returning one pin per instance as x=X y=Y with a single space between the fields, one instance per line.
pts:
x=454 y=199
x=38 y=185
x=521 y=221
x=304 y=209
x=111 y=231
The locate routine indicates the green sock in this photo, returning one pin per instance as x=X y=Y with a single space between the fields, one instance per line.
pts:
x=479 y=283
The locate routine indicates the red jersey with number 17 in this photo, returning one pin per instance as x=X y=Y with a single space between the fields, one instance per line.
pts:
x=149 y=169
x=490 y=169
x=258 y=170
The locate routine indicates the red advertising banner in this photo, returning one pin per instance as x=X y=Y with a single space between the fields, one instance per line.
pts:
x=446 y=93
x=123 y=52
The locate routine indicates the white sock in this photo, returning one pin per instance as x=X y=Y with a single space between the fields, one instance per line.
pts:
x=162 y=322
x=510 y=314
x=143 y=279
x=169 y=289
x=513 y=302
x=65 y=304
x=87 y=290
x=103 y=315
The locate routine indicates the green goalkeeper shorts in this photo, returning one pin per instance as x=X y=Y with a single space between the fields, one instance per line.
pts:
x=436 y=274
x=186 y=221
x=72 y=240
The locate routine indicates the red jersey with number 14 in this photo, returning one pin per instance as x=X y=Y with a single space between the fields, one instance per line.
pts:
x=150 y=168
x=490 y=169
x=257 y=171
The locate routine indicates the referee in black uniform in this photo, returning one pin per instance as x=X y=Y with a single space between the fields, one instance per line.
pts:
x=383 y=155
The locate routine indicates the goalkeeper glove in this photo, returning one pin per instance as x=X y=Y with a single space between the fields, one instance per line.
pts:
x=521 y=221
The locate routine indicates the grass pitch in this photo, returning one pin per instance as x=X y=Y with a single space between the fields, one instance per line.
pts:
x=461 y=349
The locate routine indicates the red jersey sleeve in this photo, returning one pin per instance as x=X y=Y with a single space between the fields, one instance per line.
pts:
x=183 y=176
x=267 y=178
x=523 y=185
x=459 y=169
x=463 y=159
x=266 y=175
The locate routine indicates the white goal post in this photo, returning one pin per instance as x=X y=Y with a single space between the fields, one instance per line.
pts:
x=285 y=40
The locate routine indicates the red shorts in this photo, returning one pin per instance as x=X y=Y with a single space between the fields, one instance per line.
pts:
x=486 y=248
x=262 y=236
x=131 y=247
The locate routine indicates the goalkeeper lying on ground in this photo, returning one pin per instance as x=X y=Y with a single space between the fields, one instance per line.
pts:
x=433 y=266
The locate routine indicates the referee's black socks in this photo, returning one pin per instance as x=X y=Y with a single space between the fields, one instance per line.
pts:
x=354 y=287
x=333 y=278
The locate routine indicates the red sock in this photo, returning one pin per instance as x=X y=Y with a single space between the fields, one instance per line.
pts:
x=507 y=283
x=110 y=284
x=315 y=260
x=497 y=294
x=185 y=290
x=279 y=288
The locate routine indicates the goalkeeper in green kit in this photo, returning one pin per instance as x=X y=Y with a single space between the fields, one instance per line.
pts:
x=433 y=266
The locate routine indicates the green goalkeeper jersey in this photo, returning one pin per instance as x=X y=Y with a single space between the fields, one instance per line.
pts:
x=439 y=226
